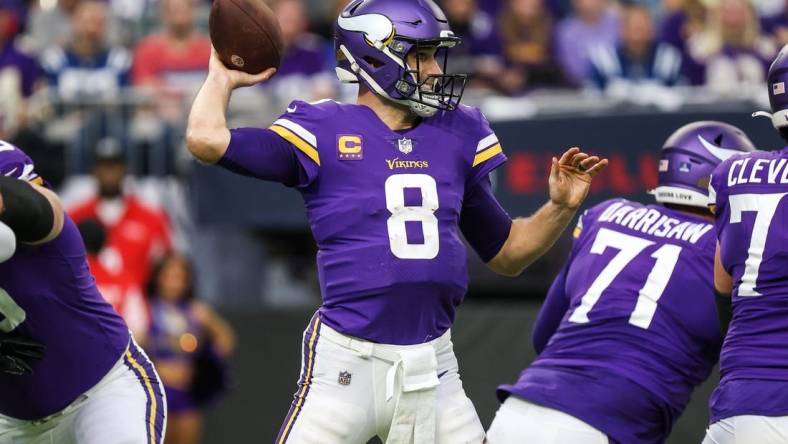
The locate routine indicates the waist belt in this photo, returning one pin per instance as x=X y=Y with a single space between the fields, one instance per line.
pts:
x=414 y=414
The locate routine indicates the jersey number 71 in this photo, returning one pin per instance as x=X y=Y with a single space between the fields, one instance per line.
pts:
x=628 y=248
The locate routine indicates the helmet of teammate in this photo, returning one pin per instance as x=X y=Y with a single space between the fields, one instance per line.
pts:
x=690 y=155
x=777 y=82
x=373 y=39
x=15 y=163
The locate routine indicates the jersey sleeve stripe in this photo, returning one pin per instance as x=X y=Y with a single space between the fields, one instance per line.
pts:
x=487 y=154
x=487 y=142
x=298 y=142
x=299 y=130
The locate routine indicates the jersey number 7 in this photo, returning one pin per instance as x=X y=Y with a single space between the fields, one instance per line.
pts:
x=765 y=206
x=628 y=248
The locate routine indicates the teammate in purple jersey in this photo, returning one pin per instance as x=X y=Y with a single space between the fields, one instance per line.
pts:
x=747 y=194
x=389 y=184
x=91 y=384
x=629 y=326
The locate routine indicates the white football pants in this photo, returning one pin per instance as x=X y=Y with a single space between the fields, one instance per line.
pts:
x=352 y=390
x=521 y=422
x=748 y=429
x=126 y=407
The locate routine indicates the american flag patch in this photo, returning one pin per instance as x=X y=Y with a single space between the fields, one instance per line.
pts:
x=778 y=88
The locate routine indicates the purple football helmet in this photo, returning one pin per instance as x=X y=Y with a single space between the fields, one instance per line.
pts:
x=690 y=155
x=777 y=82
x=373 y=39
x=15 y=163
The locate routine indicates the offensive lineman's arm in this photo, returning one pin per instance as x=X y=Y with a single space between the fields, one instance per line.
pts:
x=34 y=213
x=207 y=135
x=553 y=310
x=530 y=237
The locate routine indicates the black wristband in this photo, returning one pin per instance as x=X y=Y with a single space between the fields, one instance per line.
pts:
x=26 y=211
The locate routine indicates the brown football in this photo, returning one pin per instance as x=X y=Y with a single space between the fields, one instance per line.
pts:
x=246 y=35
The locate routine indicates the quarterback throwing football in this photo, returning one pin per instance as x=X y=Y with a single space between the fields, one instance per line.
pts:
x=389 y=183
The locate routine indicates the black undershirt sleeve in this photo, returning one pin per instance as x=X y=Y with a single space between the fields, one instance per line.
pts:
x=724 y=310
x=26 y=211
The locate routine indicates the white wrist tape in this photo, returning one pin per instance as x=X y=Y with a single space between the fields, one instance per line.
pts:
x=7 y=242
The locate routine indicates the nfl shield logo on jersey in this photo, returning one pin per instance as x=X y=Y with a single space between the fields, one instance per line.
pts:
x=344 y=378
x=405 y=145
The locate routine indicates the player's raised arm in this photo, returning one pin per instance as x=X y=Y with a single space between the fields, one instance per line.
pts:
x=207 y=135
x=529 y=238
x=33 y=213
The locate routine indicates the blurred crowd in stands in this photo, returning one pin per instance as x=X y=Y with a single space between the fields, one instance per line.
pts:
x=77 y=71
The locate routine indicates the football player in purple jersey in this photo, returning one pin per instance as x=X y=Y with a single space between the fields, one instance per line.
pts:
x=70 y=373
x=629 y=326
x=747 y=194
x=389 y=185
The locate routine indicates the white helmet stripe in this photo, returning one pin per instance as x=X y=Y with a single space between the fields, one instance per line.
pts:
x=718 y=152
x=376 y=27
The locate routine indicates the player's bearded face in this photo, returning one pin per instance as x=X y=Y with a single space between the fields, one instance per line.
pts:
x=424 y=62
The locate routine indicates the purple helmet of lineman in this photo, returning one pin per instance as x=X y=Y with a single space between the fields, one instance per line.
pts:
x=373 y=39
x=690 y=155
x=777 y=82
x=15 y=163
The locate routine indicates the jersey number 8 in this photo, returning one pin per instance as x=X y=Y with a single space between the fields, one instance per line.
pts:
x=402 y=214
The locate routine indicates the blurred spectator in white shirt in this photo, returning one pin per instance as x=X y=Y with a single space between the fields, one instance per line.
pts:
x=734 y=51
x=638 y=59
x=86 y=67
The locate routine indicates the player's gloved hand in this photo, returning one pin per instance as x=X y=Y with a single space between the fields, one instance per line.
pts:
x=17 y=354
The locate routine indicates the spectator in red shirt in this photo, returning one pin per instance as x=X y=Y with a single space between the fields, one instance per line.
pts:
x=177 y=57
x=137 y=236
x=118 y=288
x=170 y=66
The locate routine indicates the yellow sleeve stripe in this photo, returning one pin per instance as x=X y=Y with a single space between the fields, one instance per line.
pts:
x=487 y=154
x=298 y=142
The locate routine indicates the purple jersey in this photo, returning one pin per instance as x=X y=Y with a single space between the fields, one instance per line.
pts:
x=636 y=326
x=49 y=289
x=752 y=212
x=384 y=208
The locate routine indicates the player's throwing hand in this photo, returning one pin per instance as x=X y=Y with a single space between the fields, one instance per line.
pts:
x=234 y=78
x=570 y=177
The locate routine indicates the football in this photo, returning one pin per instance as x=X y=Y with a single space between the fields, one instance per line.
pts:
x=246 y=34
